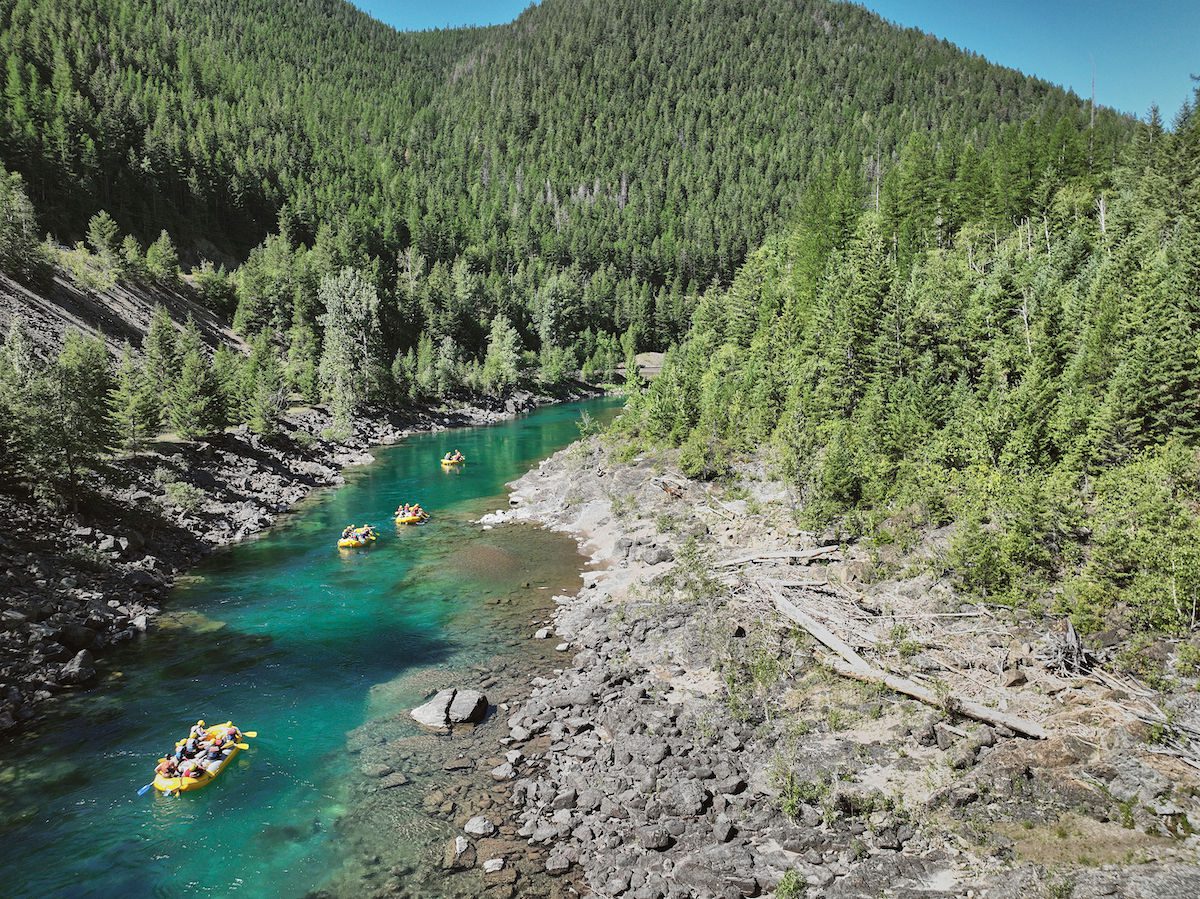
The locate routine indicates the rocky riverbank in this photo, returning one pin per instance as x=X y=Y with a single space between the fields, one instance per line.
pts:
x=697 y=744
x=77 y=584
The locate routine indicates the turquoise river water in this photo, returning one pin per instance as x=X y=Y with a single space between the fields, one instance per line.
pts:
x=290 y=637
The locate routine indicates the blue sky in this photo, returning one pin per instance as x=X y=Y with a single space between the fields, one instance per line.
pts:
x=1143 y=51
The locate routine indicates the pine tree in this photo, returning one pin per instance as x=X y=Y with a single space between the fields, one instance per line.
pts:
x=263 y=390
x=19 y=250
x=350 y=360
x=426 y=366
x=268 y=400
x=303 y=357
x=195 y=403
x=447 y=369
x=227 y=368
x=161 y=362
x=64 y=425
x=133 y=260
x=18 y=365
x=501 y=365
x=404 y=374
x=104 y=237
x=162 y=260
x=132 y=403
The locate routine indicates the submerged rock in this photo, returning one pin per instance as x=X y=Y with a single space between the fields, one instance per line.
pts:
x=459 y=855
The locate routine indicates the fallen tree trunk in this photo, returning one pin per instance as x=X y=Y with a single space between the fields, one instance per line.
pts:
x=853 y=665
x=796 y=555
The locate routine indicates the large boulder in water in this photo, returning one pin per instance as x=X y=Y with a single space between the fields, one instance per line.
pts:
x=469 y=706
x=436 y=712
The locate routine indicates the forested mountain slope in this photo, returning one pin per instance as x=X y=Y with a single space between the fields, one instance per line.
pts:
x=1035 y=381
x=639 y=148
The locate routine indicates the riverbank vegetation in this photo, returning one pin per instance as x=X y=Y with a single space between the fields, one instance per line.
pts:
x=1004 y=340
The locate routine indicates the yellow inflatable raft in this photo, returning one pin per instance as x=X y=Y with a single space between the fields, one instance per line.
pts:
x=356 y=542
x=411 y=519
x=450 y=463
x=184 y=784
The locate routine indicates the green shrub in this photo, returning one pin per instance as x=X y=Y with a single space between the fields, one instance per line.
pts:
x=186 y=496
x=792 y=886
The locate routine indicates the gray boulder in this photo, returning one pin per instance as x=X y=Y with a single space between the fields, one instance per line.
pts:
x=79 y=670
x=479 y=826
x=435 y=713
x=468 y=706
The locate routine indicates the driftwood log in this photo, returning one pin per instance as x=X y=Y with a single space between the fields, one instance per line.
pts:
x=851 y=664
x=796 y=555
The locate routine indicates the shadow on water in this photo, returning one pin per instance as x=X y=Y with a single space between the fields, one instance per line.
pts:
x=302 y=643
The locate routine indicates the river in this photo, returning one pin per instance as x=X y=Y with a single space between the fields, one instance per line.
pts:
x=303 y=643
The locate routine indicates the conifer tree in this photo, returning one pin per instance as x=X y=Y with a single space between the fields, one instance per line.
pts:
x=350 y=360
x=404 y=374
x=426 y=366
x=303 y=357
x=263 y=388
x=501 y=365
x=134 y=407
x=64 y=427
x=104 y=237
x=161 y=361
x=268 y=400
x=162 y=260
x=227 y=368
x=195 y=403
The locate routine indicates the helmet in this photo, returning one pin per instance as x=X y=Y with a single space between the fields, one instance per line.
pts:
x=200 y=723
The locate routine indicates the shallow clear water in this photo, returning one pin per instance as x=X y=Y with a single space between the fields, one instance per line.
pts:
x=287 y=636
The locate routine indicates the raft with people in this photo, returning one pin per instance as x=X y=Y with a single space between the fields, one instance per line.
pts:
x=200 y=757
x=357 y=538
x=451 y=459
x=411 y=513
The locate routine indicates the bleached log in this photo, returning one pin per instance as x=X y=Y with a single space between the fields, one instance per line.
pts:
x=795 y=555
x=851 y=664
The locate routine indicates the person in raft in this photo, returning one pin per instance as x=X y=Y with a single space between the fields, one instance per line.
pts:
x=455 y=456
x=200 y=752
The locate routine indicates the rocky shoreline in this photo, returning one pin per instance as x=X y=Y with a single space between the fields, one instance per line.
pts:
x=696 y=745
x=73 y=587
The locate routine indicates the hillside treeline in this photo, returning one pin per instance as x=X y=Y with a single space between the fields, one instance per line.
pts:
x=615 y=159
x=1023 y=363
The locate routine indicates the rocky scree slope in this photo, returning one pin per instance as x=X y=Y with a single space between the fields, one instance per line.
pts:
x=699 y=745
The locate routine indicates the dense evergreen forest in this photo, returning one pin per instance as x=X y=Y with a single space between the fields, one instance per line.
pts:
x=587 y=169
x=1023 y=363
x=974 y=303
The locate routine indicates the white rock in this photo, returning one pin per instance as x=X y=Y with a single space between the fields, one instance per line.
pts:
x=543 y=633
x=436 y=712
x=479 y=826
x=492 y=865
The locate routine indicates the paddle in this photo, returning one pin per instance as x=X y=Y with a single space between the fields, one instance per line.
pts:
x=145 y=789
x=249 y=733
x=242 y=745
